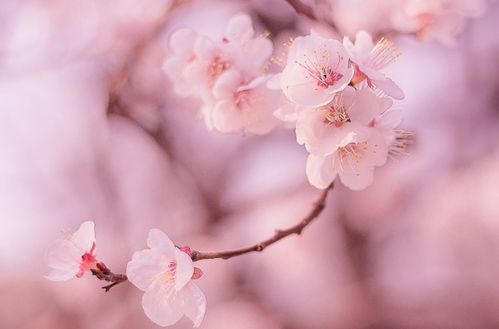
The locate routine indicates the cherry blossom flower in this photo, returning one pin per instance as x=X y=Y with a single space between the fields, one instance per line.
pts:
x=181 y=45
x=369 y=59
x=243 y=107
x=322 y=129
x=316 y=69
x=237 y=49
x=164 y=273
x=441 y=20
x=71 y=257
x=358 y=152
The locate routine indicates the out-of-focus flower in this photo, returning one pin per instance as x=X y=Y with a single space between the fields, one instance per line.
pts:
x=369 y=59
x=356 y=155
x=181 y=45
x=71 y=257
x=321 y=129
x=165 y=272
x=435 y=19
x=235 y=63
x=316 y=69
x=243 y=107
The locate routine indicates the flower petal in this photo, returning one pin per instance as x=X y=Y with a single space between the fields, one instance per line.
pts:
x=185 y=269
x=320 y=171
x=161 y=303
x=84 y=237
x=145 y=265
x=389 y=87
x=157 y=239
x=194 y=303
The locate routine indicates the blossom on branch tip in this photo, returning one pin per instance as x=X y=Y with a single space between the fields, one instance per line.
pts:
x=165 y=273
x=72 y=257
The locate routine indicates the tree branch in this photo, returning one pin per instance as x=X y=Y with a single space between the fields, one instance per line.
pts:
x=279 y=234
x=104 y=273
x=302 y=8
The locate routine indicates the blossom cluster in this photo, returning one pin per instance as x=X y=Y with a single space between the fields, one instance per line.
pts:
x=334 y=94
x=227 y=75
x=341 y=104
x=163 y=271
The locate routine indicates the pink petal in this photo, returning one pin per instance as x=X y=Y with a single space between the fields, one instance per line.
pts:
x=239 y=28
x=182 y=42
x=184 y=270
x=161 y=304
x=226 y=85
x=157 y=239
x=194 y=303
x=390 y=88
x=320 y=171
x=146 y=264
x=84 y=237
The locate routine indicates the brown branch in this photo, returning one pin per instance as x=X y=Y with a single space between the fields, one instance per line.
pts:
x=302 y=8
x=316 y=210
x=104 y=273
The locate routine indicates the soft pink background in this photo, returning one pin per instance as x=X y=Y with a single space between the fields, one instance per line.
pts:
x=418 y=249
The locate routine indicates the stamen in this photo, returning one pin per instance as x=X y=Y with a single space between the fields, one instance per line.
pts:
x=383 y=53
x=402 y=140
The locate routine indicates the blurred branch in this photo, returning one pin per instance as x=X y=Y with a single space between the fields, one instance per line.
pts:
x=104 y=273
x=302 y=8
x=279 y=234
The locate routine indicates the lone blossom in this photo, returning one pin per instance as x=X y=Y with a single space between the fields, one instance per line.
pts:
x=71 y=257
x=165 y=272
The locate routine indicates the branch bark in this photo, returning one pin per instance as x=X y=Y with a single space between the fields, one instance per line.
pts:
x=104 y=273
x=279 y=234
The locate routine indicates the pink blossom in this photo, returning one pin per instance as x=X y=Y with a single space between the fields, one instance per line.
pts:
x=181 y=45
x=71 y=257
x=322 y=129
x=316 y=69
x=369 y=59
x=238 y=49
x=441 y=20
x=358 y=152
x=164 y=273
x=243 y=107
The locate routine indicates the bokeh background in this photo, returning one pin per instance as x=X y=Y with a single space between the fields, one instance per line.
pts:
x=91 y=129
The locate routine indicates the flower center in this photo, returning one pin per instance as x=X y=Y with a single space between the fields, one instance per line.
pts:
x=335 y=112
x=218 y=65
x=321 y=68
x=88 y=261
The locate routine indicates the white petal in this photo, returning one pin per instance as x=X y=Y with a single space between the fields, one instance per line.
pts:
x=146 y=264
x=84 y=237
x=157 y=239
x=185 y=269
x=239 y=28
x=227 y=84
x=161 y=304
x=320 y=171
x=182 y=42
x=63 y=255
x=61 y=275
x=194 y=303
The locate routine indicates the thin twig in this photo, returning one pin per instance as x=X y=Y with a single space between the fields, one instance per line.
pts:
x=316 y=210
x=104 y=273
